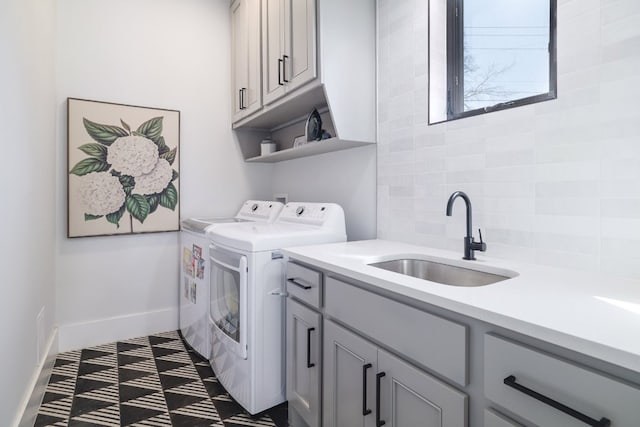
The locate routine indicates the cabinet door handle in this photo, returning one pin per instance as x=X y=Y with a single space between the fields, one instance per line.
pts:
x=511 y=382
x=365 y=411
x=298 y=284
x=240 y=99
x=284 y=68
x=309 y=364
x=242 y=107
x=280 y=72
x=379 y=422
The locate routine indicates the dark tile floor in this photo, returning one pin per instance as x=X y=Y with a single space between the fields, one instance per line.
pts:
x=148 y=381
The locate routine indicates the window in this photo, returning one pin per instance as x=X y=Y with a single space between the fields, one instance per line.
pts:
x=488 y=55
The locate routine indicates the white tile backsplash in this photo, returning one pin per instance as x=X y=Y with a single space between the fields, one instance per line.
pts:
x=510 y=237
x=567 y=189
x=620 y=208
x=621 y=228
x=571 y=151
x=511 y=206
x=568 y=225
x=555 y=183
x=509 y=158
x=518 y=174
x=569 y=170
x=621 y=29
x=568 y=206
x=615 y=248
x=509 y=190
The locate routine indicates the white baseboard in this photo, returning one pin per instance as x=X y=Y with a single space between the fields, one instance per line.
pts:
x=88 y=334
x=28 y=410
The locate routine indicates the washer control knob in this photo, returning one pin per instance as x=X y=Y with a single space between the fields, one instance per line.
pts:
x=254 y=207
x=300 y=210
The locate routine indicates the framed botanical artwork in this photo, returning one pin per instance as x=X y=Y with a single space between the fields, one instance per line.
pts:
x=123 y=169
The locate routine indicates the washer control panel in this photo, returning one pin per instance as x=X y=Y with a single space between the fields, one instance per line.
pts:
x=307 y=213
x=260 y=210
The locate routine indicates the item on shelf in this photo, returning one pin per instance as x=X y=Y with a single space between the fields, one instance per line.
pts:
x=326 y=135
x=267 y=146
x=313 y=127
x=299 y=140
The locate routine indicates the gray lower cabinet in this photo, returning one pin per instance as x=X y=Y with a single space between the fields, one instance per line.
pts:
x=367 y=386
x=303 y=355
x=376 y=351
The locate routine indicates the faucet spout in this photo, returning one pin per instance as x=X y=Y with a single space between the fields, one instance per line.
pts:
x=470 y=245
x=467 y=202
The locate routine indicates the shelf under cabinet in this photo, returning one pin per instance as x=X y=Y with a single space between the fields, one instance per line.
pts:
x=309 y=149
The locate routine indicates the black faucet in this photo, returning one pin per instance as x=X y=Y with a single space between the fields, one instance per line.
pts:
x=469 y=244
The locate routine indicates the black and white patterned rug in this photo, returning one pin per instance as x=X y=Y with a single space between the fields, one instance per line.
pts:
x=148 y=381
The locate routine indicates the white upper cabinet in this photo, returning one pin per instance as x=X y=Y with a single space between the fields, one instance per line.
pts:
x=314 y=54
x=245 y=43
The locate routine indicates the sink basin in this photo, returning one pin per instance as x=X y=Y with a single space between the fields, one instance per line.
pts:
x=440 y=273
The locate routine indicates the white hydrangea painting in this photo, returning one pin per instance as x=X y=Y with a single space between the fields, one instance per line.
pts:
x=123 y=169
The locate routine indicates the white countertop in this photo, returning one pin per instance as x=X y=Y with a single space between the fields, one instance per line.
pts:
x=589 y=313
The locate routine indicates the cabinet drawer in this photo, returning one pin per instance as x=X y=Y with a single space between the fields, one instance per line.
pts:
x=592 y=394
x=304 y=284
x=494 y=419
x=433 y=342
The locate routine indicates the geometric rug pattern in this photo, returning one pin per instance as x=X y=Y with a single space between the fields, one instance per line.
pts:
x=148 y=381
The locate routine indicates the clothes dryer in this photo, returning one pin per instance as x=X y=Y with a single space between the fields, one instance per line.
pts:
x=246 y=304
x=194 y=268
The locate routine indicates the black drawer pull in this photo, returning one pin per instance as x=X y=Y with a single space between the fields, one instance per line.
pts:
x=309 y=364
x=298 y=284
x=511 y=382
x=280 y=68
x=379 y=422
x=365 y=411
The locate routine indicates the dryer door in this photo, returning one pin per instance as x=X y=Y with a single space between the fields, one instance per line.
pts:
x=228 y=298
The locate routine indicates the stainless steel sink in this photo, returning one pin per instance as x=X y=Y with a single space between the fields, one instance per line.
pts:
x=440 y=273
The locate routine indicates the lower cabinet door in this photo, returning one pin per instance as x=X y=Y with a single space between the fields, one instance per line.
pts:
x=410 y=397
x=303 y=363
x=349 y=378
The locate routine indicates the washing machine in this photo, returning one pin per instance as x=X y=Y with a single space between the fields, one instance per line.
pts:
x=194 y=270
x=246 y=298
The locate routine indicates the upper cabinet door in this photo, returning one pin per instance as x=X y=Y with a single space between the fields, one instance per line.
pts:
x=300 y=42
x=273 y=23
x=289 y=46
x=239 y=26
x=253 y=94
x=245 y=42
